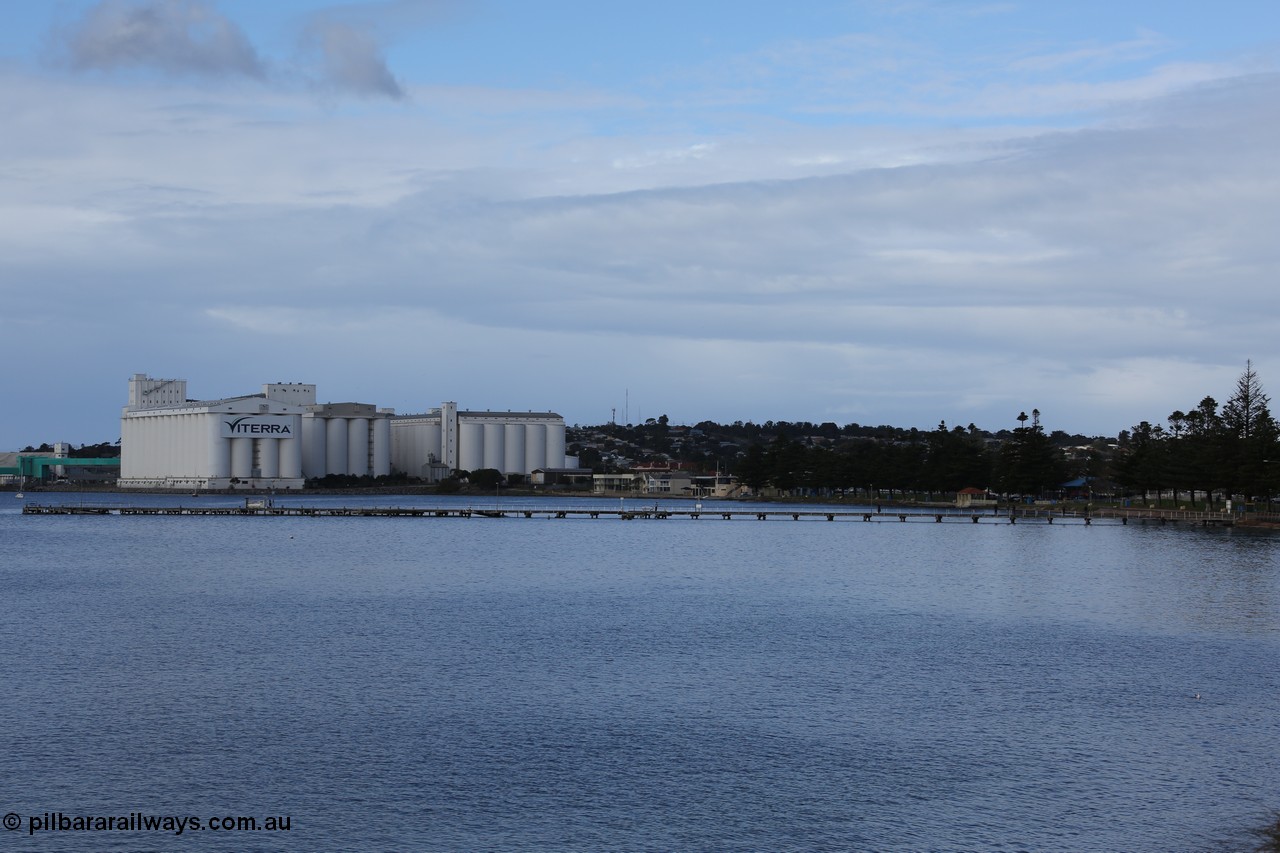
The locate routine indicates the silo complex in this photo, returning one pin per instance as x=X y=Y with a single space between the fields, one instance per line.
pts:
x=347 y=438
x=273 y=440
x=280 y=437
x=448 y=439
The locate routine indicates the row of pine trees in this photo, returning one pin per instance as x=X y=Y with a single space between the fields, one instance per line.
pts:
x=1232 y=450
x=939 y=462
x=1210 y=450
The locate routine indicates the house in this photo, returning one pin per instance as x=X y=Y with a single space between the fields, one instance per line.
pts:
x=562 y=478
x=602 y=484
x=971 y=497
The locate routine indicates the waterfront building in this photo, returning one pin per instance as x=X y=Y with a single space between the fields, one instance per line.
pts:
x=273 y=439
x=57 y=466
x=280 y=437
x=509 y=442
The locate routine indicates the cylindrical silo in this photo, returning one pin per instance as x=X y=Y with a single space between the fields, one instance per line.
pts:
x=358 y=446
x=535 y=446
x=471 y=446
x=173 y=427
x=313 y=449
x=181 y=459
x=555 y=445
x=166 y=438
x=192 y=451
x=336 y=447
x=268 y=458
x=192 y=435
x=166 y=445
x=128 y=453
x=219 y=448
x=291 y=456
x=432 y=437
x=381 y=447
x=514 y=446
x=494 y=438
x=242 y=458
x=403 y=437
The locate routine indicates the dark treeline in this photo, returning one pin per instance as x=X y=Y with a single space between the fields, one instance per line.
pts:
x=1205 y=454
x=1207 y=451
x=855 y=459
x=102 y=450
x=1024 y=462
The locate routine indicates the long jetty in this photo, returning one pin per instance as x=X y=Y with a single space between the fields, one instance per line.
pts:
x=655 y=512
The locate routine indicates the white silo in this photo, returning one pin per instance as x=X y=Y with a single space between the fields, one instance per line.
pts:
x=555 y=446
x=514 y=446
x=219 y=448
x=494 y=440
x=535 y=446
x=470 y=446
x=291 y=451
x=336 y=446
x=242 y=458
x=381 y=447
x=432 y=434
x=313 y=448
x=358 y=446
x=268 y=457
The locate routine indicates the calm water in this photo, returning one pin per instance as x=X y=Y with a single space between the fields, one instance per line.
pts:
x=481 y=684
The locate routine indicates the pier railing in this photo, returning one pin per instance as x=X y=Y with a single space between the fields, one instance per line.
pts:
x=725 y=512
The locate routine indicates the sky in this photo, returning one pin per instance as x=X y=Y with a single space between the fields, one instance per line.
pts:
x=861 y=211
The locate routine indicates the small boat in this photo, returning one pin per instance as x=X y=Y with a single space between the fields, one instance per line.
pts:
x=19 y=495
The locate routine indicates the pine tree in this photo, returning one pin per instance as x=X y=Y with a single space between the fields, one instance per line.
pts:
x=1201 y=448
x=1140 y=466
x=1029 y=464
x=1250 y=437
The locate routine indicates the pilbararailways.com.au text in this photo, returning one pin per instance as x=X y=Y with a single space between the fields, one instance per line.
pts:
x=140 y=822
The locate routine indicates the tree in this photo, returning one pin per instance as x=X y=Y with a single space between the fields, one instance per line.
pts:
x=485 y=478
x=1199 y=451
x=589 y=457
x=1028 y=463
x=1141 y=464
x=1246 y=413
x=956 y=459
x=786 y=463
x=1250 y=437
x=752 y=470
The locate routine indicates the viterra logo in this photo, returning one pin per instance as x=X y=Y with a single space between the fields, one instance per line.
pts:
x=239 y=427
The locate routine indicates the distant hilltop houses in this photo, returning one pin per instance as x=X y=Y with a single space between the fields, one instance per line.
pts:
x=281 y=437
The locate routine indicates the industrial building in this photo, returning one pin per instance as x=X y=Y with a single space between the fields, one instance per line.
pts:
x=510 y=442
x=271 y=440
x=57 y=466
x=280 y=437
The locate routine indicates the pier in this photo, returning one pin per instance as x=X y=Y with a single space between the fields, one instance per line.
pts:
x=1029 y=515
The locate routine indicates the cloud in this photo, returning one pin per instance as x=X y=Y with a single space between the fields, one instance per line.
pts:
x=174 y=36
x=521 y=256
x=350 y=59
x=1145 y=46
